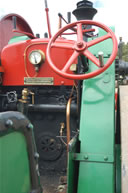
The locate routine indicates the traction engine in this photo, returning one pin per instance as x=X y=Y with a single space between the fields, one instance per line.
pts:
x=66 y=89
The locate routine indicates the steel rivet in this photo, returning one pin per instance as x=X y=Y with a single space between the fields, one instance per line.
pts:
x=85 y=157
x=105 y=158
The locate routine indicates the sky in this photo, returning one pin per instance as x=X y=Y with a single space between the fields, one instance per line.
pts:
x=110 y=12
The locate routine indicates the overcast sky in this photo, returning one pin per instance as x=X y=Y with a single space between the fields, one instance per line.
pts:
x=110 y=12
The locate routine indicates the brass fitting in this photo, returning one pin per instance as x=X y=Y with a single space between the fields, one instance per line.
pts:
x=62 y=126
x=25 y=94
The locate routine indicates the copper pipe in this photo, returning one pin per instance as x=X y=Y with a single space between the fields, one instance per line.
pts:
x=68 y=108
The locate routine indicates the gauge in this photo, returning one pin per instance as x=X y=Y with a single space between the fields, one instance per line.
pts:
x=36 y=57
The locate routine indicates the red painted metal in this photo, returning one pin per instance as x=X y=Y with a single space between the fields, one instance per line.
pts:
x=25 y=33
x=1 y=69
x=116 y=98
x=6 y=28
x=84 y=31
x=80 y=47
x=48 y=22
x=15 y=60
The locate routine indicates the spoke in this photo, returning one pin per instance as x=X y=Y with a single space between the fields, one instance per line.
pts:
x=98 y=40
x=91 y=57
x=70 y=61
x=79 y=32
x=63 y=45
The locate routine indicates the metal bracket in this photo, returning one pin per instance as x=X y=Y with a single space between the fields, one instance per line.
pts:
x=93 y=157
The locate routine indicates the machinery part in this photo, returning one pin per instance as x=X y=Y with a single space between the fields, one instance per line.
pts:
x=12 y=97
x=101 y=58
x=7 y=25
x=16 y=126
x=47 y=17
x=85 y=10
x=25 y=96
x=50 y=146
x=60 y=108
x=68 y=108
x=69 y=17
x=121 y=67
x=14 y=21
x=31 y=36
x=80 y=47
x=120 y=48
x=37 y=57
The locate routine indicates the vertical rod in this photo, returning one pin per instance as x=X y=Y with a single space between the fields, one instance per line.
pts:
x=14 y=21
x=60 y=23
x=69 y=17
x=68 y=109
x=47 y=17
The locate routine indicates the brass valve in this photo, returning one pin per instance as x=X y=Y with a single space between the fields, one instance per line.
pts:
x=25 y=93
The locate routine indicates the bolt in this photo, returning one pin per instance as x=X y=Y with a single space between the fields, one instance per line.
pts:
x=80 y=44
x=61 y=188
x=85 y=157
x=105 y=158
x=36 y=155
x=62 y=82
x=30 y=126
x=9 y=123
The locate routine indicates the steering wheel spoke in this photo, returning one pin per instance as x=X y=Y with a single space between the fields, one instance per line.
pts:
x=79 y=32
x=98 y=40
x=91 y=57
x=62 y=45
x=70 y=61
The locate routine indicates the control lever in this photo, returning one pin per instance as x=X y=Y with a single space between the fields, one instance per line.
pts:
x=101 y=58
x=69 y=17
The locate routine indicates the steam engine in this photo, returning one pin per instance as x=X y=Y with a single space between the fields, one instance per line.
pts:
x=50 y=101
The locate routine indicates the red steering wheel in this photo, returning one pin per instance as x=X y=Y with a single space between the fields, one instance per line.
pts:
x=80 y=47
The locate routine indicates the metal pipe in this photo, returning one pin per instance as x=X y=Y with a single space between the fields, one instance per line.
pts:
x=47 y=17
x=69 y=17
x=51 y=108
x=68 y=110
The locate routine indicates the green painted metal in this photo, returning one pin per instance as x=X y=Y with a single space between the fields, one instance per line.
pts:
x=93 y=157
x=96 y=177
x=14 y=164
x=18 y=39
x=97 y=129
x=118 y=168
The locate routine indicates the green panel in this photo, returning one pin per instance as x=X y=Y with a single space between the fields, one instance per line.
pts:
x=95 y=177
x=14 y=165
x=97 y=114
x=18 y=39
x=97 y=128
